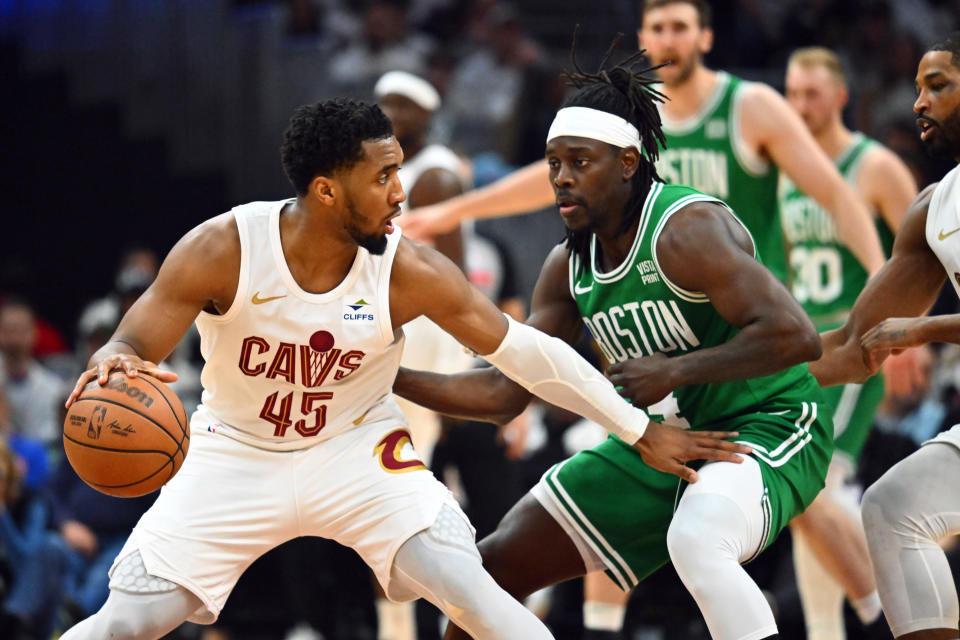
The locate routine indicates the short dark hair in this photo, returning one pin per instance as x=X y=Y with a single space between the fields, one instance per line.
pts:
x=327 y=136
x=949 y=43
x=703 y=8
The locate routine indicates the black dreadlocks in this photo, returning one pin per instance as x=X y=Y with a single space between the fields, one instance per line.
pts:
x=630 y=95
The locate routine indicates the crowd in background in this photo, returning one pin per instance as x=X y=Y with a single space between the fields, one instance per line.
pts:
x=496 y=66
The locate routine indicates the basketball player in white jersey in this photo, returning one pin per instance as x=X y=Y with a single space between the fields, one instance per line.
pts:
x=829 y=548
x=916 y=503
x=299 y=305
x=430 y=173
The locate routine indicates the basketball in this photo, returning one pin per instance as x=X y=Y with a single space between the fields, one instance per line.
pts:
x=127 y=438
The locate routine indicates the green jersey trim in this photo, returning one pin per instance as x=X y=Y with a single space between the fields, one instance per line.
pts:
x=691 y=123
x=685 y=294
x=619 y=569
x=797 y=441
x=767 y=525
x=752 y=163
x=624 y=267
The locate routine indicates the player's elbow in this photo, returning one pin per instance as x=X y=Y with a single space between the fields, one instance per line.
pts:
x=800 y=343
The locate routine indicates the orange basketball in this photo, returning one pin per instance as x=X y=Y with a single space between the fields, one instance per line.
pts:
x=127 y=438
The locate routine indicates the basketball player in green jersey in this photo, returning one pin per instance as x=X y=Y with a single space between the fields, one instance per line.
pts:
x=830 y=552
x=669 y=284
x=724 y=136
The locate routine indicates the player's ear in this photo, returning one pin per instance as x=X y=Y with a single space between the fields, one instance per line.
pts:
x=629 y=162
x=705 y=41
x=324 y=189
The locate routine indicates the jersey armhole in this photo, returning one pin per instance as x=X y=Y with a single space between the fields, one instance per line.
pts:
x=748 y=159
x=243 y=277
x=383 y=286
x=680 y=292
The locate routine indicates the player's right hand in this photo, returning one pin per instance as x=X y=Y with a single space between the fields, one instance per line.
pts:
x=129 y=363
x=667 y=448
x=423 y=224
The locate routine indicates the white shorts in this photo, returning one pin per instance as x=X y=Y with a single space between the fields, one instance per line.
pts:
x=232 y=502
x=950 y=436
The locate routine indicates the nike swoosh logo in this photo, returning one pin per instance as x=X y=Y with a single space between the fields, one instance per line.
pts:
x=581 y=290
x=256 y=299
x=944 y=236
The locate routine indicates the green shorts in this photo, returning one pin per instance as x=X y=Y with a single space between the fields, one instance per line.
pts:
x=853 y=407
x=622 y=508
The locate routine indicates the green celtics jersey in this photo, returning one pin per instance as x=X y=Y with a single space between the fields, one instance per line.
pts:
x=707 y=153
x=825 y=276
x=635 y=310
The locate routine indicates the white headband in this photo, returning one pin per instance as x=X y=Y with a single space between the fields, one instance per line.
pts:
x=408 y=86
x=584 y=122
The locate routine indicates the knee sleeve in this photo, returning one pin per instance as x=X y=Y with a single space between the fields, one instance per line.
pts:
x=715 y=528
x=905 y=514
x=442 y=565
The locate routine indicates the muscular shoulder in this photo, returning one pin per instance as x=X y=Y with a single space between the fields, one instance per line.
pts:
x=880 y=165
x=697 y=236
x=760 y=100
x=205 y=263
x=422 y=276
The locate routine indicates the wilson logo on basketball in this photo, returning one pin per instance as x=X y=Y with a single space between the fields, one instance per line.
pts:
x=117 y=383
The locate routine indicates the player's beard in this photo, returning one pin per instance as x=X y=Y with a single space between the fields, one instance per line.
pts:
x=373 y=242
x=946 y=143
x=686 y=68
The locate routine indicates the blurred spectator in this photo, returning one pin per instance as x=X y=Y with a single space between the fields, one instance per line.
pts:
x=94 y=527
x=486 y=86
x=33 y=392
x=30 y=452
x=30 y=555
x=137 y=269
x=386 y=44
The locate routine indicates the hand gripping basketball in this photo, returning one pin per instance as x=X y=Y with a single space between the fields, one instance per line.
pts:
x=125 y=433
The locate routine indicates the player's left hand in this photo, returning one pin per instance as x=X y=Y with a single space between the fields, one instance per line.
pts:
x=889 y=337
x=667 y=448
x=644 y=381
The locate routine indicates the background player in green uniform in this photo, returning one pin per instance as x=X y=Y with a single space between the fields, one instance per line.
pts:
x=668 y=282
x=826 y=279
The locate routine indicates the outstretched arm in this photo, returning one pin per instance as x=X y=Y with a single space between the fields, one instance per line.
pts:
x=906 y=286
x=702 y=248
x=526 y=189
x=771 y=126
x=424 y=282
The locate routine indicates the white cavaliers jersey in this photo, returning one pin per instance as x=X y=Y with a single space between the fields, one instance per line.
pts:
x=434 y=156
x=286 y=369
x=943 y=225
x=943 y=237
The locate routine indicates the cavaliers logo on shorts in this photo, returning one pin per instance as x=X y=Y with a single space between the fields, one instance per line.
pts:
x=389 y=450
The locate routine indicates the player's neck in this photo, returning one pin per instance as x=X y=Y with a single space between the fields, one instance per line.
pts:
x=834 y=139
x=687 y=98
x=302 y=230
x=614 y=245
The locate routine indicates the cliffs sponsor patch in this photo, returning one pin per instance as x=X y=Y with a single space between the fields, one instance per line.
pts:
x=360 y=311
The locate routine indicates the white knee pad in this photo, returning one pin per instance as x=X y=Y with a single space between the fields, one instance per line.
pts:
x=130 y=576
x=905 y=514
x=721 y=521
x=442 y=565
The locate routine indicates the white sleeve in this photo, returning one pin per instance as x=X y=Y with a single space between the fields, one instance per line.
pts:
x=550 y=368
